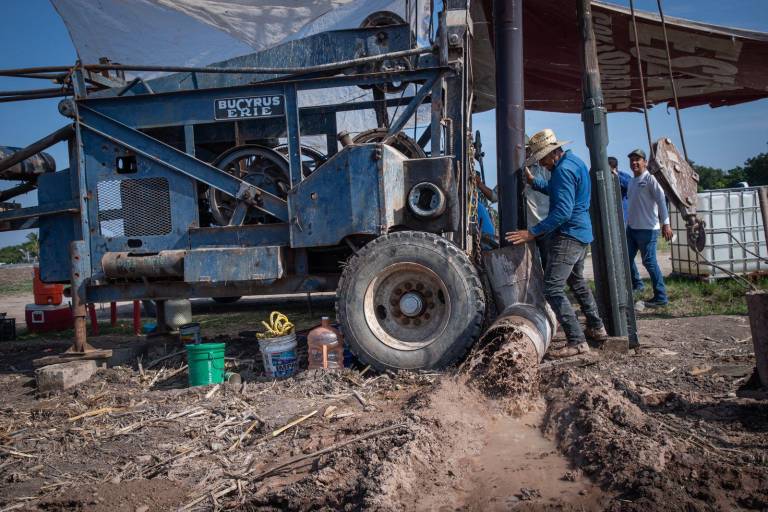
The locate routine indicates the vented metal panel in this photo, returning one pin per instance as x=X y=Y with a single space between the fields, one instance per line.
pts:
x=134 y=207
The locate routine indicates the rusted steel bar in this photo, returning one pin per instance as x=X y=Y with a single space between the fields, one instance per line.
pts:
x=137 y=317
x=259 y=71
x=35 y=70
x=16 y=191
x=31 y=91
x=163 y=264
x=41 y=96
x=59 y=135
x=757 y=304
x=78 y=300
x=94 y=320
x=763 y=195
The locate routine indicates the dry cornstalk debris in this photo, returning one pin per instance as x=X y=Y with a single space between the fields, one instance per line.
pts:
x=294 y=423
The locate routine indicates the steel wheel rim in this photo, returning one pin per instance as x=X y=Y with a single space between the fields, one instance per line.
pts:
x=381 y=305
x=258 y=166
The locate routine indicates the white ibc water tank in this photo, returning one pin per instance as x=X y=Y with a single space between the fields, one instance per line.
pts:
x=177 y=313
x=731 y=215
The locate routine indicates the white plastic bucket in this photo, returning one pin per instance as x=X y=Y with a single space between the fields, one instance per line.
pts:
x=279 y=355
x=178 y=313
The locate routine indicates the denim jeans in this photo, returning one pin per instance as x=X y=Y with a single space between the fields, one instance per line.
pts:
x=565 y=265
x=644 y=240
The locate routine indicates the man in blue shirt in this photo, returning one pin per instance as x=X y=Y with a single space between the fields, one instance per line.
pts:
x=624 y=179
x=570 y=232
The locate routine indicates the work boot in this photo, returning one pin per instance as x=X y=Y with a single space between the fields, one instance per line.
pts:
x=570 y=350
x=596 y=333
x=655 y=303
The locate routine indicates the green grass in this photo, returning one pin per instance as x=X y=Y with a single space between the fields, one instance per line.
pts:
x=15 y=287
x=688 y=297
x=121 y=329
x=229 y=322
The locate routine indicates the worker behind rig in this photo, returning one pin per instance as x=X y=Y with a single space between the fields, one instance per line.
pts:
x=569 y=229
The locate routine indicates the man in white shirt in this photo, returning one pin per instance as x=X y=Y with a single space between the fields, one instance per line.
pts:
x=646 y=211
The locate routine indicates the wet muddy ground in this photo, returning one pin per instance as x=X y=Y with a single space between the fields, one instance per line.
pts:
x=665 y=427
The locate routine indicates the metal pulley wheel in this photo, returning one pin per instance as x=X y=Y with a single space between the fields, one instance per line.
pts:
x=257 y=165
x=411 y=300
x=386 y=19
x=311 y=158
x=400 y=141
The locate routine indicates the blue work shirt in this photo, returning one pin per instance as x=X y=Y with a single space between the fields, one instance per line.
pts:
x=569 y=192
x=624 y=179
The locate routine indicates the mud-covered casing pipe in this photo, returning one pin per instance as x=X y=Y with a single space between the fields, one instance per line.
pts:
x=536 y=324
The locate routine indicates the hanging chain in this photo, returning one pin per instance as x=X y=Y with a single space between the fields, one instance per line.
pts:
x=473 y=205
x=642 y=78
x=672 y=81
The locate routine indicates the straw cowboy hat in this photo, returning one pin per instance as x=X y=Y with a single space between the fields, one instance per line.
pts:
x=542 y=143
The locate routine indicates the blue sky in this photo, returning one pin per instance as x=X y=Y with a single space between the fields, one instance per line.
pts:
x=32 y=34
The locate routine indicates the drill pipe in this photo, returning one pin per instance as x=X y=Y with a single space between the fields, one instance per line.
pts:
x=163 y=264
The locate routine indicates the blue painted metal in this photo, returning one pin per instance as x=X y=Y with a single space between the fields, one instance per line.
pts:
x=294 y=139
x=240 y=236
x=358 y=191
x=175 y=289
x=179 y=162
x=145 y=211
x=197 y=106
x=57 y=232
x=227 y=265
x=414 y=104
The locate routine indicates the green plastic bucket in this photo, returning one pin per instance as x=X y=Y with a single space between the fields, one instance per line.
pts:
x=206 y=363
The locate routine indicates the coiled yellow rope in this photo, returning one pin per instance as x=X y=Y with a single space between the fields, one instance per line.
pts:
x=278 y=325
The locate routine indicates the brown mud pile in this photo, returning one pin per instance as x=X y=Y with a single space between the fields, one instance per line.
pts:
x=504 y=365
x=646 y=446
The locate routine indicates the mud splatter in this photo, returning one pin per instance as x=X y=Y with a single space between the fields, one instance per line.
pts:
x=504 y=365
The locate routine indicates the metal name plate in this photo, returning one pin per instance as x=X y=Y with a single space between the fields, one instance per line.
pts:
x=249 y=107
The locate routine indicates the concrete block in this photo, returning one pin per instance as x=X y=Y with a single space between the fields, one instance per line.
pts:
x=58 y=377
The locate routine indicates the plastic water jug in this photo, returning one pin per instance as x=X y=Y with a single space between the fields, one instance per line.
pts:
x=325 y=346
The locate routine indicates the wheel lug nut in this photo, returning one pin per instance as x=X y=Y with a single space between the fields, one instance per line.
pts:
x=427 y=316
x=406 y=320
x=393 y=302
x=431 y=305
x=398 y=291
x=416 y=322
x=428 y=293
x=419 y=286
x=408 y=286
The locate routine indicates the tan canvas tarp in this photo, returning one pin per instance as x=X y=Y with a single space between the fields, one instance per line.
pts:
x=712 y=65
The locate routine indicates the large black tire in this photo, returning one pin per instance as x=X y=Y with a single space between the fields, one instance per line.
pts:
x=410 y=300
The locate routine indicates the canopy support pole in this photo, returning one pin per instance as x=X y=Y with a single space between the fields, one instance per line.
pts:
x=510 y=113
x=610 y=258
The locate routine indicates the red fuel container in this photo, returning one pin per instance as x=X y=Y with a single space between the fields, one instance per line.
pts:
x=46 y=294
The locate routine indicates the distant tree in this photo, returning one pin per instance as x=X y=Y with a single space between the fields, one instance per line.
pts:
x=11 y=254
x=30 y=249
x=756 y=170
x=710 y=178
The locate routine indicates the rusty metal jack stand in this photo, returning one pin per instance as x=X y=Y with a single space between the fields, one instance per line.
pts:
x=80 y=349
